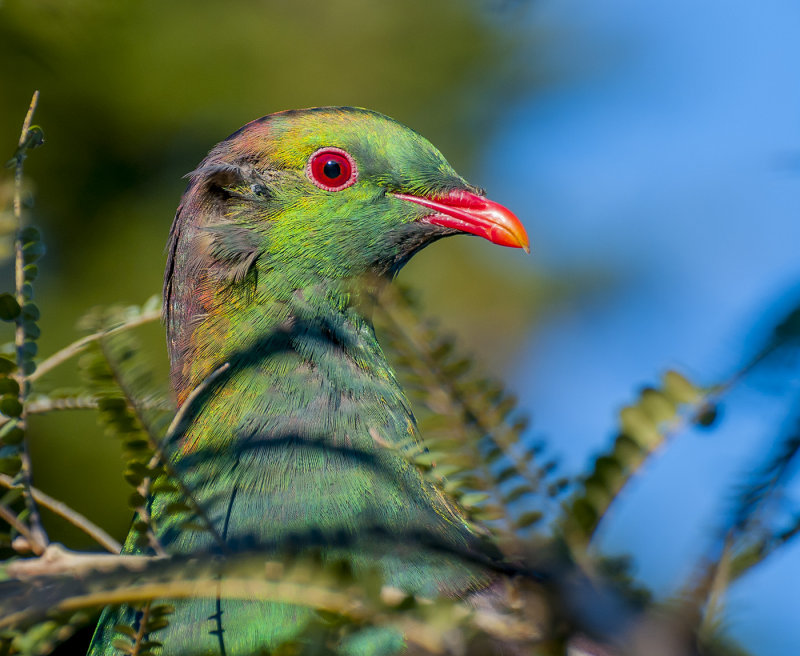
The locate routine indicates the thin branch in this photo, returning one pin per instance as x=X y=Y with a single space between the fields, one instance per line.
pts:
x=72 y=516
x=26 y=125
x=8 y=515
x=177 y=421
x=302 y=594
x=80 y=345
x=744 y=562
x=728 y=562
x=429 y=638
x=34 y=520
x=55 y=560
x=144 y=514
x=268 y=581
x=749 y=542
x=43 y=406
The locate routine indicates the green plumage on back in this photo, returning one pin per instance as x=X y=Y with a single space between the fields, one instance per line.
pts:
x=279 y=231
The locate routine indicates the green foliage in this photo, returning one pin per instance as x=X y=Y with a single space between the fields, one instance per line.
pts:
x=644 y=426
x=129 y=409
x=138 y=640
x=9 y=308
x=14 y=388
x=472 y=428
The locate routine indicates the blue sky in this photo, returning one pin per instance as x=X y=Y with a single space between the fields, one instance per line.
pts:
x=669 y=151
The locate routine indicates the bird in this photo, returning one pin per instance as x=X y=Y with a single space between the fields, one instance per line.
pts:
x=303 y=432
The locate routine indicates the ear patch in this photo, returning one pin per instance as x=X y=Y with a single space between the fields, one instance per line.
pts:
x=235 y=249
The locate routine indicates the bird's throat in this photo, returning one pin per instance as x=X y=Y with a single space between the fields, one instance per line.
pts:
x=304 y=362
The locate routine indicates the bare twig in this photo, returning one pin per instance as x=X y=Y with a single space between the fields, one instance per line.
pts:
x=8 y=515
x=80 y=345
x=44 y=405
x=41 y=406
x=56 y=560
x=34 y=520
x=72 y=516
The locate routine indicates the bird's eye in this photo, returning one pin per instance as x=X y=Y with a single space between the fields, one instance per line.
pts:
x=332 y=169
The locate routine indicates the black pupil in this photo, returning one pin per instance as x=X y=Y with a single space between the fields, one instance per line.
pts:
x=332 y=169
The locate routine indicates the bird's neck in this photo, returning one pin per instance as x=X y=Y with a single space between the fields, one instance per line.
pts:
x=303 y=360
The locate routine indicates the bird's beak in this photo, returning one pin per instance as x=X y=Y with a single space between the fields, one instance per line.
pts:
x=474 y=214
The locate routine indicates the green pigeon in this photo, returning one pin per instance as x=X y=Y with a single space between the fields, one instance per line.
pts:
x=304 y=433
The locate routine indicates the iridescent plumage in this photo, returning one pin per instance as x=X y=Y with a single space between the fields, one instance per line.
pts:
x=305 y=431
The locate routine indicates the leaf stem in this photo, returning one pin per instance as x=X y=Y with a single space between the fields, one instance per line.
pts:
x=36 y=530
x=78 y=346
x=72 y=516
x=142 y=631
x=41 y=406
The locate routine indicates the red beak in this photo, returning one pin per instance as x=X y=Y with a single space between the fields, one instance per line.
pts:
x=476 y=215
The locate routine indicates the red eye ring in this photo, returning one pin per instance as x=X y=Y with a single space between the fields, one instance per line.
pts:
x=332 y=169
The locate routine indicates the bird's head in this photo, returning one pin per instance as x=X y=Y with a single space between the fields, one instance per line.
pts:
x=341 y=190
x=318 y=194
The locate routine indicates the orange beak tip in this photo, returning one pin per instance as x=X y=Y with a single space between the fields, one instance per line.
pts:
x=474 y=214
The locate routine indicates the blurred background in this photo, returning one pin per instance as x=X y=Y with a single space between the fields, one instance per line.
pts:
x=651 y=149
